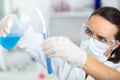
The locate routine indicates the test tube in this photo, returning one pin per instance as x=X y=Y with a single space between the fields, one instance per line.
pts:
x=45 y=35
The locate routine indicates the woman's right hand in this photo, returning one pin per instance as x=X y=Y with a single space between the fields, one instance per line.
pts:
x=6 y=24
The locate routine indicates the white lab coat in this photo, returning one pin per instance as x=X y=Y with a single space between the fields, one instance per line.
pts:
x=31 y=42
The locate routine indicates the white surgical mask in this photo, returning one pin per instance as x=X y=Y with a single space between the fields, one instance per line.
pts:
x=95 y=48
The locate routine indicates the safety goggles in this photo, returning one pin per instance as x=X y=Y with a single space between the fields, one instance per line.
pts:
x=87 y=33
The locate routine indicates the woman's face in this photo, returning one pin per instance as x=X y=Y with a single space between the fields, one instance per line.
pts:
x=103 y=30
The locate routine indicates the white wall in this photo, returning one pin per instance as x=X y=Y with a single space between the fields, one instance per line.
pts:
x=27 y=7
x=1 y=9
x=113 y=3
x=67 y=26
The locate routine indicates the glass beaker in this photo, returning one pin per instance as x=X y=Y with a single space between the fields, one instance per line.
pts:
x=16 y=32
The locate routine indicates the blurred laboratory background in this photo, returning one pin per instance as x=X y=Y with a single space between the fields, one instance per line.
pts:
x=62 y=17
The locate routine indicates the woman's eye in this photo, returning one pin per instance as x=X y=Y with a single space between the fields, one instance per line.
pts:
x=102 y=39
x=88 y=31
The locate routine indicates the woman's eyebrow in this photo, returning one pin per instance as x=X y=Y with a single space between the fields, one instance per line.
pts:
x=100 y=36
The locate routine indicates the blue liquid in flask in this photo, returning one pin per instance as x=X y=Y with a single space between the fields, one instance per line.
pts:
x=9 y=42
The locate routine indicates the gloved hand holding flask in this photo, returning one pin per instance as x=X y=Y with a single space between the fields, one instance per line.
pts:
x=11 y=30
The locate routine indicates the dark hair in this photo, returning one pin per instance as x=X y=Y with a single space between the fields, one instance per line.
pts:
x=112 y=15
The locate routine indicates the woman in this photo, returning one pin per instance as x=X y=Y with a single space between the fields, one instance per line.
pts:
x=100 y=39
x=102 y=30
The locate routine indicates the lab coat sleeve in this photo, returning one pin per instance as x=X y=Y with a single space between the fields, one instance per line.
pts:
x=65 y=71
x=118 y=67
x=31 y=42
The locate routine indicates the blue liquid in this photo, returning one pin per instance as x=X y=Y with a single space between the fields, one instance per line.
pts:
x=48 y=60
x=9 y=42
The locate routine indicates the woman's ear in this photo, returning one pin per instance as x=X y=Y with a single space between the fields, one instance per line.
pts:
x=116 y=46
x=108 y=52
